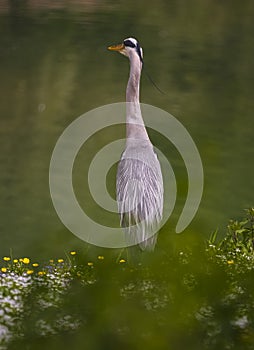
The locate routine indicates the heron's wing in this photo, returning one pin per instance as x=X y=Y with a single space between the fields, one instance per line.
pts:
x=140 y=196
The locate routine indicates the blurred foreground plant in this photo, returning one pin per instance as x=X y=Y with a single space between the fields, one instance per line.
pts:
x=237 y=247
x=193 y=297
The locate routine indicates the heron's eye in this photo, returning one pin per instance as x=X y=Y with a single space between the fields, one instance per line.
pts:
x=129 y=43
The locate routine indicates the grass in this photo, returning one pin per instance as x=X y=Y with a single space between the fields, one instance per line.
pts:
x=200 y=297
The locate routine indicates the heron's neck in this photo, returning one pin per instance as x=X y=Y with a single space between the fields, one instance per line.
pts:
x=135 y=127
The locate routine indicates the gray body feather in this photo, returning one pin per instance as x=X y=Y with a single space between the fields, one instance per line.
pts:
x=140 y=194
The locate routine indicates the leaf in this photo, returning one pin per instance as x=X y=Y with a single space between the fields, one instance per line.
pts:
x=244 y=222
x=241 y=230
x=213 y=237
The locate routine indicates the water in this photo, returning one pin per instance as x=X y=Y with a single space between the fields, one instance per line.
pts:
x=55 y=67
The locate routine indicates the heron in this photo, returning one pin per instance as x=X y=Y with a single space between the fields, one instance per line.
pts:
x=139 y=182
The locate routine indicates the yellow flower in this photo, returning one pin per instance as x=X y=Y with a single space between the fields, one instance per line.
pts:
x=29 y=272
x=21 y=260
x=73 y=253
x=90 y=263
x=41 y=273
x=35 y=265
x=15 y=261
x=6 y=258
x=230 y=262
x=101 y=257
x=4 y=269
x=122 y=261
x=26 y=261
x=60 y=260
x=51 y=261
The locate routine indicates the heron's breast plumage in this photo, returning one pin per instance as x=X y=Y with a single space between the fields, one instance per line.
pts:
x=140 y=192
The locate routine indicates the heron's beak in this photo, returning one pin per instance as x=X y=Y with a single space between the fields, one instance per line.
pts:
x=118 y=47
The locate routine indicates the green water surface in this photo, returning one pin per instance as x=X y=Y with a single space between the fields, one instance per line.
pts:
x=55 y=67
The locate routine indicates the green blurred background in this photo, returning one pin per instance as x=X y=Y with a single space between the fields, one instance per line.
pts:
x=55 y=67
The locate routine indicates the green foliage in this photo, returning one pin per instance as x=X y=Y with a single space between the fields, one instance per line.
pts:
x=238 y=244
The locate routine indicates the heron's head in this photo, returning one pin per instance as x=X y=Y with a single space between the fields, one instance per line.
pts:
x=129 y=47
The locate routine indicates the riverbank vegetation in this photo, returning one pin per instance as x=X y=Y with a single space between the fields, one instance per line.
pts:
x=199 y=297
